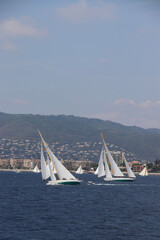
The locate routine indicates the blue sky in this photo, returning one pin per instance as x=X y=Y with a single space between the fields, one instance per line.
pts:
x=93 y=58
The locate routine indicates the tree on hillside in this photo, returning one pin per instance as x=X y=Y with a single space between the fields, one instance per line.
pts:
x=157 y=162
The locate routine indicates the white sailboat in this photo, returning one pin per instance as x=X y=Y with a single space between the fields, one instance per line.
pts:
x=36 y=169
x=79 y=170
x=63 y=175
x=144 y=172
x=115 y=174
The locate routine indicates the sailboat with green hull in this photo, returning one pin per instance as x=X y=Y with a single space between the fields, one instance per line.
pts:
x=112 y=173
x=63 y=175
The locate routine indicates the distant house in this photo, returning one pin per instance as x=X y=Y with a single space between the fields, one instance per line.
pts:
x=134 y=163
x=136 y=166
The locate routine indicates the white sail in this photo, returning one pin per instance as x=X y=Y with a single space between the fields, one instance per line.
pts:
x=144 y=172
x=54 y=170
x=101 y=171
x=53 y=178
x=36 y=169
x=129 y=171
x=116 y=172
x=79 y=170
x=107 y=170
x=96 y=171
x=47 y=171
x=44 y=168
x=62 y=172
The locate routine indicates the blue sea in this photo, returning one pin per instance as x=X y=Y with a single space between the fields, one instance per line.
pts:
x=31 y=210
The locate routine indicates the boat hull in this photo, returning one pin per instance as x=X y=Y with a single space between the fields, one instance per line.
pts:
x=119 y=179
x=64 y=182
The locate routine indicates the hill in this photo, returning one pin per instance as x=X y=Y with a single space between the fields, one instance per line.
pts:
x=144 y=143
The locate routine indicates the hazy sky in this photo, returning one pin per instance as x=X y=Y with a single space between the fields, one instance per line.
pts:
x=93 y=58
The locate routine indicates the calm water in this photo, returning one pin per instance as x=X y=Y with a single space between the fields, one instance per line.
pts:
x=30 y=210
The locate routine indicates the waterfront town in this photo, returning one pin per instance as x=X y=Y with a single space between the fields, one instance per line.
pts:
x=25 y=154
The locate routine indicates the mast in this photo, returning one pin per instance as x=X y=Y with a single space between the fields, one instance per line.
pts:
x=48 y=153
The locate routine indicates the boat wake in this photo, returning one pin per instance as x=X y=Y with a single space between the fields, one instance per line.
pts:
x=119 y=184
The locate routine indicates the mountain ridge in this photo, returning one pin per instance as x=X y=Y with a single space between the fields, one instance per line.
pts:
x=144 y=143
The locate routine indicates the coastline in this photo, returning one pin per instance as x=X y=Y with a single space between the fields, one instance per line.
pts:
x=31 y=170
x=16 y=170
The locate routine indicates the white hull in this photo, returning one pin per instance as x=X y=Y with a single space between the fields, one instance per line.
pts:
x=119 y=179
x=64 y=182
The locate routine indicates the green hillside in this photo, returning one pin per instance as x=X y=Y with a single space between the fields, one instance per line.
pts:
x=145 y=143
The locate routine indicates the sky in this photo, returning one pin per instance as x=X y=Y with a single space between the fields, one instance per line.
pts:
x=90 y=58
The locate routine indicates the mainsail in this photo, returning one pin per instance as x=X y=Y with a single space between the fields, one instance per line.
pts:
x=62 y=172
x=116 y=172
x=107 y=170
x=53 y=178
x=44 y=167
x=101 y=171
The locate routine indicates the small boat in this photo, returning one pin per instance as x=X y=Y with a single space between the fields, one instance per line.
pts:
x=36 y=169
x=115 y=173
x=91 y=183
x=144 y=172
x=79 y=170
x=63 y=175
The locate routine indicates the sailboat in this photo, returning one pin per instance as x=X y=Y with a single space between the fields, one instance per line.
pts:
x=36 y=169
x=144 y=172
x=115 y=174
x=63 y=175
x=79 y=170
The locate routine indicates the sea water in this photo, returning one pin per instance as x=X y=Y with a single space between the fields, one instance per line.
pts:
x=31 y=210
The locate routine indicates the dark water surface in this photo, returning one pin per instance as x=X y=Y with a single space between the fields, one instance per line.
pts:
x=30 y=210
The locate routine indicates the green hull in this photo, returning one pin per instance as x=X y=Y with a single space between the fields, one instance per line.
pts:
x=64 y=182
x=119 y=179
x=69 y=183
